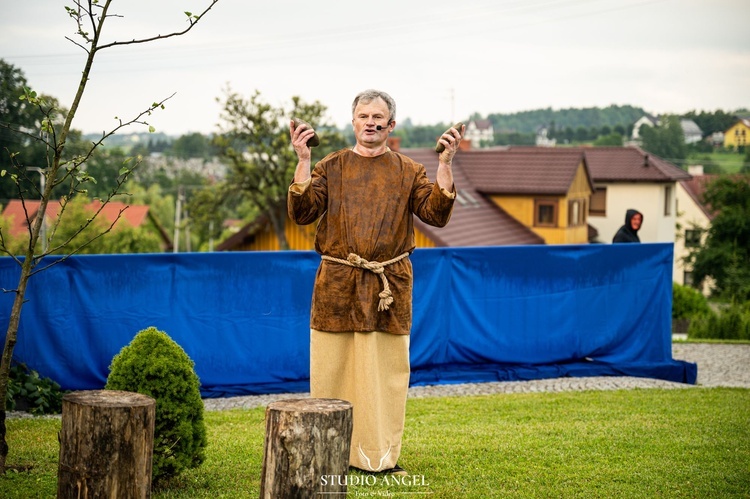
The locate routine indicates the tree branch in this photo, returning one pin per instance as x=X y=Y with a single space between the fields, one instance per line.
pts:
x=192 y=19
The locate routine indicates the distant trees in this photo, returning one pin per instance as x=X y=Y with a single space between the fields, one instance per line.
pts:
x=18 y=114
x=712 y=122
x=611 y=139
x=419 y=135
x=588 y=118
x=666 y=140
x=193 y=145
x=254 y=141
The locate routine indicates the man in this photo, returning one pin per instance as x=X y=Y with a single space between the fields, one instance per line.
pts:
x=361 y=311
x=628 y=233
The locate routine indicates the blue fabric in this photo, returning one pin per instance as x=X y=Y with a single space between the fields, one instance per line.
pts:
x=480 y=314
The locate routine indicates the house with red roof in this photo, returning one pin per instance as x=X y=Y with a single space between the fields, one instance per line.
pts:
x=629 y=177
x=530 y=196
x=21 y=214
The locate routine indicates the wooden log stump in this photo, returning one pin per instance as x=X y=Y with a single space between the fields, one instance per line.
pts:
x=306 y=449
x=106 y=445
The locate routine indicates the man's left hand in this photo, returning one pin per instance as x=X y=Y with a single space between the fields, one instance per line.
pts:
x=451 y=140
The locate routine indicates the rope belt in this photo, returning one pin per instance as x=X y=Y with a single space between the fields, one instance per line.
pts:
x=376 y=268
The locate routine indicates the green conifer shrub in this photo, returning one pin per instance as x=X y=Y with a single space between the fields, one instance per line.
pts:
x=688 y=303
x=154 y=365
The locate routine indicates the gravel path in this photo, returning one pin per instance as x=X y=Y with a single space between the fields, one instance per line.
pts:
x=718 y=365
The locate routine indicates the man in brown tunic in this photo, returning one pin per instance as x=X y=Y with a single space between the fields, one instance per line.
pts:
x=362 y=299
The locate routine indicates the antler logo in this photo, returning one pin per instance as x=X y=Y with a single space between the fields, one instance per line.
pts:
x=369 y=464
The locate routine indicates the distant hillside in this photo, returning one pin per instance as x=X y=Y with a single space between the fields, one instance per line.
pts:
x=523 y=122
x=128 y=140
x=529 y=121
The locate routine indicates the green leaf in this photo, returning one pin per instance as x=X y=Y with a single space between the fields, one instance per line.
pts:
x=124 y=170
x=189 y=14
x=151 y=129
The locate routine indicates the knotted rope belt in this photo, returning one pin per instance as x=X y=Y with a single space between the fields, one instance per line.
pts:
x=376 y=268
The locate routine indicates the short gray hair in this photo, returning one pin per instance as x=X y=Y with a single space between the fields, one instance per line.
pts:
x=370 y=95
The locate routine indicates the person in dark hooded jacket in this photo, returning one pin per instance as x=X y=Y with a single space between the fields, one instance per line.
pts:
x=628 y=233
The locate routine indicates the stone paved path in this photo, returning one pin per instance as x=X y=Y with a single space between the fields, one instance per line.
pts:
x=718 y=365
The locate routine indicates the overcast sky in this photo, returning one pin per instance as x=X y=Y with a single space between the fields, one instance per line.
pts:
x=440 y=60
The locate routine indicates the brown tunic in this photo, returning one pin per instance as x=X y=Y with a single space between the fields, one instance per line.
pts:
x=365 y=206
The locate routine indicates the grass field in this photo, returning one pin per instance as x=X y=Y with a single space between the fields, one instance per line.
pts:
x=730 y=162
x=692 y=442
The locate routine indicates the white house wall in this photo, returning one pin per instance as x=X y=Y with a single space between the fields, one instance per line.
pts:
x=644 y=197
x=690 y=215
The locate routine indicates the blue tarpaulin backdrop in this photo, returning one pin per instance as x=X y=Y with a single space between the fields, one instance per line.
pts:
x=480 y=314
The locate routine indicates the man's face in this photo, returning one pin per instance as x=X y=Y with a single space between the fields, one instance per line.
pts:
x=635 y=222
x=367 y=116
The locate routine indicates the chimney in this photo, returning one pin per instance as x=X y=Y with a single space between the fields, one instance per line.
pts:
x=695 y=170
x=394 y=143
x=464 y=145
x=645 y=160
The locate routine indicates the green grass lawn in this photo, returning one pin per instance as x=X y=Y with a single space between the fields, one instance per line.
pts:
x=631 y=443
x=730 y=162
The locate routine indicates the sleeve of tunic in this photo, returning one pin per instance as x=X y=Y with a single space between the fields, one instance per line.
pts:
x=306 y=201
x=429 y=202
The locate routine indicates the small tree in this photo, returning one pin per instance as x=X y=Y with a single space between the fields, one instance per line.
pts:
x=154 y=365
x=725 y=256
x=666 y=140
x=60 y=169
x=255 y=142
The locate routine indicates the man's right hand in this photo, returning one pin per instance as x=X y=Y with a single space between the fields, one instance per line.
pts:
x=300 y=136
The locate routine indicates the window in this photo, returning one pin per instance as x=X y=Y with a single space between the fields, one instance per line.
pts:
x=576 y=212
x=692 y=238
x=464 y=198
x=668 y=200
x=598 y=205
x=545 y=213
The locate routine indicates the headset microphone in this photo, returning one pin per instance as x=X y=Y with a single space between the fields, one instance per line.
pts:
x=380 y=127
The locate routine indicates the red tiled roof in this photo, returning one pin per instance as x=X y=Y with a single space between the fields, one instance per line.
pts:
x=696 y=187
x=531 y=170
x=15 y=214
x=135 y=215
x=630 y=164
x=476 y=221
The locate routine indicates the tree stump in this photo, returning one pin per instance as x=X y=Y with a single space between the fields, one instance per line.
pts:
x=306 y=449
x=106 y=445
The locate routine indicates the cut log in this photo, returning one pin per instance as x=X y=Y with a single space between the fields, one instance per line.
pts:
x=306 y=449
x=106 y=445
